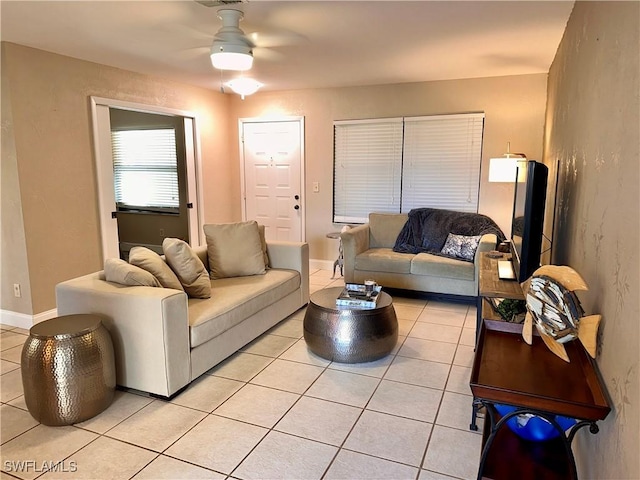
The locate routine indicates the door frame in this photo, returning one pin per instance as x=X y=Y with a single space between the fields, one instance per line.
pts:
x=303 y=193
x=104 y=169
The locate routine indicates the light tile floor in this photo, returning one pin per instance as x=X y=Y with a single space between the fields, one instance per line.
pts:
x=274 y=410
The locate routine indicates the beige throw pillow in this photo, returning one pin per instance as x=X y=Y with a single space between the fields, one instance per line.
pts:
x=234 y=249
x=188 y=267
x=150 y=261
x=263 y=242
x=119 y=271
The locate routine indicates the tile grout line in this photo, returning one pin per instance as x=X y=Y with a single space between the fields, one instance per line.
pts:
x=325 y=368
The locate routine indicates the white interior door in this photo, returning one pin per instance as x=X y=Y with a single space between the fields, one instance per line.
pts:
x=272 y=164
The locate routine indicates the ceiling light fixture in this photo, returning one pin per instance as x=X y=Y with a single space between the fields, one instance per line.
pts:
x=503 y=169
x=231 y=49
x=244 y=86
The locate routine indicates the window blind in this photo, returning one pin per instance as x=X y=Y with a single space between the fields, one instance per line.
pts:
x=367 y=168
x=441 y=167
x=396 y=164
x=145 y=168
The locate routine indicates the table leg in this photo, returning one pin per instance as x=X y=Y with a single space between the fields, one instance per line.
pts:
x=478 y=319
x=495 y=426
x=475 y=406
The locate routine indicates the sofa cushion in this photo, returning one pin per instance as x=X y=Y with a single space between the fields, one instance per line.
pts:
x=119 y=271
x=437 y=266
x=384 y=228
x=188 y=267
x=461 y=246
x=234 y=249
x=154 y=264
x=235 y=299
x=384 y=260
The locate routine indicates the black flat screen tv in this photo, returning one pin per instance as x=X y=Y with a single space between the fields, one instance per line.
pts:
x=528 y=218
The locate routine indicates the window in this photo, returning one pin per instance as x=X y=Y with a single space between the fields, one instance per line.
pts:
x=145 y=168
x=442 y=156
x=396 y=164
x=367 y=168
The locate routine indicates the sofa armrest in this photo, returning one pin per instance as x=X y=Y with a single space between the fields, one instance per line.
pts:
x=487 y=242
x=291 y=256
x=354 y=241
x=149 y=328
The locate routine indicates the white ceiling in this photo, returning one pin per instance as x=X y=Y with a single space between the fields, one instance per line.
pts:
x=301 y=44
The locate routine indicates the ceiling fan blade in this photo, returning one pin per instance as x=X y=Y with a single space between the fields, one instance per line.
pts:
x=194 y=53
x=281 y=38
x=267 y=54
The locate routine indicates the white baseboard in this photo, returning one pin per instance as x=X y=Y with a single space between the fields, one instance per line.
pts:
x=23 y=320
x=320 y=264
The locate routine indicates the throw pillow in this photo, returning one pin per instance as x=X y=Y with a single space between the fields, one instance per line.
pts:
x=263 y=241
x=234 y=249
x=150 y=261
x=188 y=267
x=119 y=271
x=460 y=246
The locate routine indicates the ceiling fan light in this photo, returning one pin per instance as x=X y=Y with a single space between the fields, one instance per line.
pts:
x=231 y=57
x=244 y=86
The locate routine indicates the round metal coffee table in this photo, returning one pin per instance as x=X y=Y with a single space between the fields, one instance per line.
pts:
x=68 y=369
x=348 y=334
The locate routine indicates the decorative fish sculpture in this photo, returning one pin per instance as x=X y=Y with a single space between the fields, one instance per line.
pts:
x=556 y=312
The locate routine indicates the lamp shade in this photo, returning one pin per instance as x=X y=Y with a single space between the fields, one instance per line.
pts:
x=503 y=169
x=231 y=57
x=244 y=86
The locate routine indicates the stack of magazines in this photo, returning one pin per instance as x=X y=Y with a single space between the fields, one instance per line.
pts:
x=355 y=295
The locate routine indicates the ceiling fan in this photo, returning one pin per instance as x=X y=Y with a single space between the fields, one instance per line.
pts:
x=231 y=49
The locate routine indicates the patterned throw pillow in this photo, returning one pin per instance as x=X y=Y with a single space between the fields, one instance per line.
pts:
x=459 y=246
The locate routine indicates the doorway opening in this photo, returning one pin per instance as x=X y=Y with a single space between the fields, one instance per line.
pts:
x=148 y=187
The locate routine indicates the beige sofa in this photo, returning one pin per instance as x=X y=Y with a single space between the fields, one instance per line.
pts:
x=368 y=254
x=163 y=340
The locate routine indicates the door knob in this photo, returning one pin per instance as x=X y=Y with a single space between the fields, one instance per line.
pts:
x=297 y=207
x=297 y=197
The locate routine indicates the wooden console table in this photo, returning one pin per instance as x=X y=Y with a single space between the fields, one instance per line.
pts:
x=508 y=371
x=491 y=286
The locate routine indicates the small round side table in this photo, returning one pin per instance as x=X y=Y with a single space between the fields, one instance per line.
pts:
x=349 y=334
x=68 y=369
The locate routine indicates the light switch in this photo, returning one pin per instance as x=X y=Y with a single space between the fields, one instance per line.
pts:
x=316 y=187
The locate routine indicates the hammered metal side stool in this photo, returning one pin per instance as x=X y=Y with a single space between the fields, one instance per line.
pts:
x=68 y=369
x=347 y=334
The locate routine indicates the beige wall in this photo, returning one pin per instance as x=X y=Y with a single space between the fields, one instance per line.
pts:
x=592 y=128
x=49 y=98
x=13 y=259
x=514 y=111
x=55 y=177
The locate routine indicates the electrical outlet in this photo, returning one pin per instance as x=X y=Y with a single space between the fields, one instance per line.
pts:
x=316 y=187
x=16 y=290
x=162 y=232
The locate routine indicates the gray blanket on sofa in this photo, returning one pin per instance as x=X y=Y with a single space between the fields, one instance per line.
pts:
x=427 y=229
